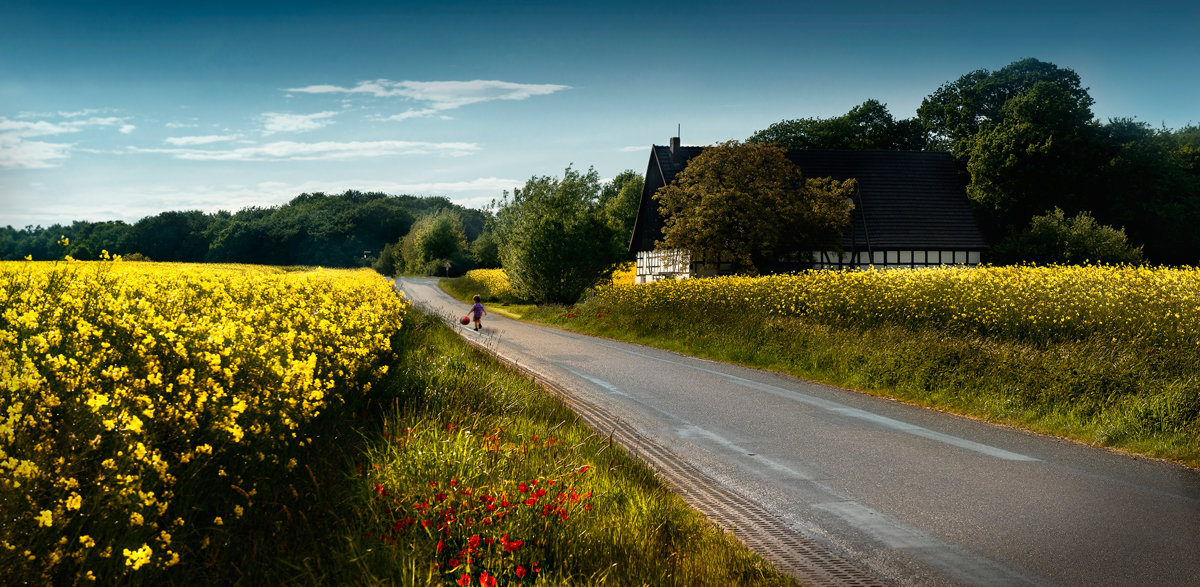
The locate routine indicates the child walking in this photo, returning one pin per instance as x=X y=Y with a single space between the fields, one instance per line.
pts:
x=478 y=311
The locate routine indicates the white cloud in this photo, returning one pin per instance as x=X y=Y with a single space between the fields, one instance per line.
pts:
x=16 y=151
x=632 y=149
x=277 y=122
x=127 y=128
x=318 y=151
x=439 y=96
x=201 y=140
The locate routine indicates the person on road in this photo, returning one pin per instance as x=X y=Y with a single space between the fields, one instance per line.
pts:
x=478 y=312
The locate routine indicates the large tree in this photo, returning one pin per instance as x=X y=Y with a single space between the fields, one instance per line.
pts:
x=618 y=204
x=554 y=242
x=1040 y=152
x=749 y=203
x=866 y=126
x=955 y=112
x=435 y=240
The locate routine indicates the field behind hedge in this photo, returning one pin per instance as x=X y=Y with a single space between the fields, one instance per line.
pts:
x=1101 y=354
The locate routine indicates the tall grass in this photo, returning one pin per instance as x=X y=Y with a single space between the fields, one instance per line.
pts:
x=1104 y=355
x=483 y=474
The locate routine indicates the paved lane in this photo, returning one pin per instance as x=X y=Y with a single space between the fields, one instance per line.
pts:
x=913 y=496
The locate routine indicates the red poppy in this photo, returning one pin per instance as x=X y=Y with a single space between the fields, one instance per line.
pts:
x=465 y=579
x=531 y=502
x=486 y=580
x=440 y=545
x=520 y=571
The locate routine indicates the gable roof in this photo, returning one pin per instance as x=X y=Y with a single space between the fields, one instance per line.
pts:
x=905 y=200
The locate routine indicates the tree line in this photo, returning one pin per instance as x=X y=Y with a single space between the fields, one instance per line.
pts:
x=344 y=230
x=1038 y=166
x=1048 y=182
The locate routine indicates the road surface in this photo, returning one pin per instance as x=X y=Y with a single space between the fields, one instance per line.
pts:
x=842 y=488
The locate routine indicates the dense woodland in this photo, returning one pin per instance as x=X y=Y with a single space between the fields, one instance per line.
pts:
x=1033 y=155
x=1048 y=182
x=346 y=230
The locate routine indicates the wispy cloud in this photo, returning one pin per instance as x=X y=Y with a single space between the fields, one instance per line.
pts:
x=277 y=122
x=438 y=96
x=201 y=140
x=317 y=151
x=17 y=151
x=632 y=149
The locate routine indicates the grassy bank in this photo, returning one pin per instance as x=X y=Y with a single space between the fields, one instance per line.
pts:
x=1102 y=355
x=203 y=424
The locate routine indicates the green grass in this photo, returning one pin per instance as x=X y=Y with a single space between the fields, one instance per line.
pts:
x=463 y=288
x=396 y=491
x=1124 y=397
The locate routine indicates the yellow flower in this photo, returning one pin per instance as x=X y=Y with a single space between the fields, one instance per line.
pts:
x=46 y=518
x=138 y=558
x=74 y=502
x=87 y=541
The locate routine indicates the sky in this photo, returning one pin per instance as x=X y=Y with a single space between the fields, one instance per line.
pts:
x=116 y=110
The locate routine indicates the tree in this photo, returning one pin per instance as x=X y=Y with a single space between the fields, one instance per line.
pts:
x=1054 y=238
x=1039 y=153
x=750 y=203
x=485 y=251
x=554 y=243
x=955 y=112
x=866 y=126
x=434 y=240
x=619 y=200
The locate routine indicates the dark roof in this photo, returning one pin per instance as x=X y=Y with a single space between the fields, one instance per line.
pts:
x=905 y=199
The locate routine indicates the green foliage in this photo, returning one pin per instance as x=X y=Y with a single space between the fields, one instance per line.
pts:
x=1037 y=154
x=866 y=126
x=485 y=251
x=955 y=112
x=434 y=241
x=750 y=203
x=619 y=200
x=1054 y=238
x=345 y=230
x=554 y=242
x=386 y=263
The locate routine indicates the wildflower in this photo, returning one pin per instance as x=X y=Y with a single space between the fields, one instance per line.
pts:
x=486 y=579
x=465 y=579
x=46 y=518
x=138 y=558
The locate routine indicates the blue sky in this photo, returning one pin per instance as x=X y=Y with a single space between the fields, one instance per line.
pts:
x=118 y=110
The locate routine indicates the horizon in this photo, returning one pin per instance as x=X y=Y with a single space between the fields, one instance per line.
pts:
x=118 y=111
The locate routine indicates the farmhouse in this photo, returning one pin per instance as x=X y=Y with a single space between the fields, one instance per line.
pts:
x=910 y=210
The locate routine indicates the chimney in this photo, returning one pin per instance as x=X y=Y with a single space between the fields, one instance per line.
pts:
x=675 y=150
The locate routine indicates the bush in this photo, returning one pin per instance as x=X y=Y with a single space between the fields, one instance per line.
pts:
x=1054 y=238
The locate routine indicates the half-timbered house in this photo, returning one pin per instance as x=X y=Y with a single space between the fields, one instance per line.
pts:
x=910 y=210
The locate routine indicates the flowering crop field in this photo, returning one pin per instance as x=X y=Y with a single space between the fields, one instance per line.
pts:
x=1160 y=307
x=1102 y=354
x=129 y=390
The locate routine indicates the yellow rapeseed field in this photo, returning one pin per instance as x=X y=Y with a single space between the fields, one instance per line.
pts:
x=126 y=389
x=1157 y=306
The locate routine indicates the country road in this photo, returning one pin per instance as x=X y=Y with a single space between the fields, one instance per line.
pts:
x=844 y=488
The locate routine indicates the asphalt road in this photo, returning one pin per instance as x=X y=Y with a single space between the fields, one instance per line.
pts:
x=913 y=496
